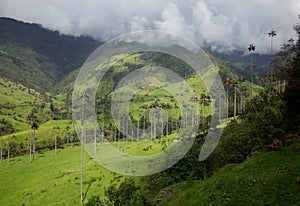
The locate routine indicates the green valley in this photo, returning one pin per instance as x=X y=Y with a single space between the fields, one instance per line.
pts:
x=50 y=156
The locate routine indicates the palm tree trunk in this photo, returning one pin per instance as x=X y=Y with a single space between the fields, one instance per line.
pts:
x=227 y=102
x=123 y=134
x=8 y=151
x=30 y=149
x=55 y=144
x=220 y=108
x=144 y=125
x=167 y=135
x=33 y=145
x=115 y=136
x=102 y=131
x=95 y=138
x=234 y=109
x=138 y=128
x=1 y=155
x=251 y=77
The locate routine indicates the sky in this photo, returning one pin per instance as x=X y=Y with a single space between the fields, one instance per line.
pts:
x=224 y=25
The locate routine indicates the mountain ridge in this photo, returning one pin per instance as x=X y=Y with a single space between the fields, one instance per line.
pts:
x=31 y=53
x=46 y=60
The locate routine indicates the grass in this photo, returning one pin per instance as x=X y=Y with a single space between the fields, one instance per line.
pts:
x=144 y=147
x=44 y=132
x=270 y=178
x=52 y=179
x=14 y=94
x=16 y=102
x=55 y=178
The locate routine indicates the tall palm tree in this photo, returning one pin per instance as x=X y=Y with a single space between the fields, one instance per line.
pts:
x=227 y=85
x=1 y=152
x=242 y=90
x=67 y=133
x=34 y=127
x=84 y=97
x=138 y=127
x=271 y=34
x=234 y=83
x=8 y=149
x=95 y=137
x=57 y=128
x=251 y=48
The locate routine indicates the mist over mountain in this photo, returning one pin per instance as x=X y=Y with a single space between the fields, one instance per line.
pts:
x=38 y=57
x=222 y=25
x=43 y=59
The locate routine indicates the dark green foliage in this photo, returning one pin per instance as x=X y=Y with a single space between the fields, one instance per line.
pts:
x=126 y=194
x=188 y=168
x=292 y=91
x=6 y=127
x=235 y=146
x=266 y=179
x=94 y=201
x=287 y=70
x=37 y=57
x=168 y=61
x=265 y=114
x=255 y=129
x=66 y=51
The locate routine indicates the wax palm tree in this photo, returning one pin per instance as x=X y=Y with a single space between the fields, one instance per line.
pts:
x=232 y=82
x=271 y=35
x=95 y=137
x=1 y=150
x=251 y=48
x=243 y=92
x=34 y=127
x=235 y=84
x=57 y=129
x=67 y=133
x=227 y=85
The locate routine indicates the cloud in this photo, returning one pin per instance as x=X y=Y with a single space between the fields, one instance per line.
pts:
x=223 y=25
x=174 y=21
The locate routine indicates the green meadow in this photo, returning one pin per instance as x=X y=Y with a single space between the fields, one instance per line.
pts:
x=52 y=178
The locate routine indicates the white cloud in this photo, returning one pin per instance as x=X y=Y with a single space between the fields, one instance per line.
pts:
x=224 y=24
x=173 y=21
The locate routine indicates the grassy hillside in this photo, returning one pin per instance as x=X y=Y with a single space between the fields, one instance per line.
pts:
x=270 y=178
x=17 y=101
x=45 y=132
x=52 y=179
x=37 y=57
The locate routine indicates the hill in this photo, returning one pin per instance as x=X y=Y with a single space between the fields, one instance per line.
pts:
x=52 y=179
x=239 y=62
x=17 y=101
x=37 y=57
x=270 y=178
x=249 y=166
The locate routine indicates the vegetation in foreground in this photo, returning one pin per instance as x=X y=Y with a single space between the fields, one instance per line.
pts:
x=269 y=178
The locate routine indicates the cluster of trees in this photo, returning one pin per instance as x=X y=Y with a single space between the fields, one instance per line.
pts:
x=6 y=127
x=125 y=194
x=9 y=148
